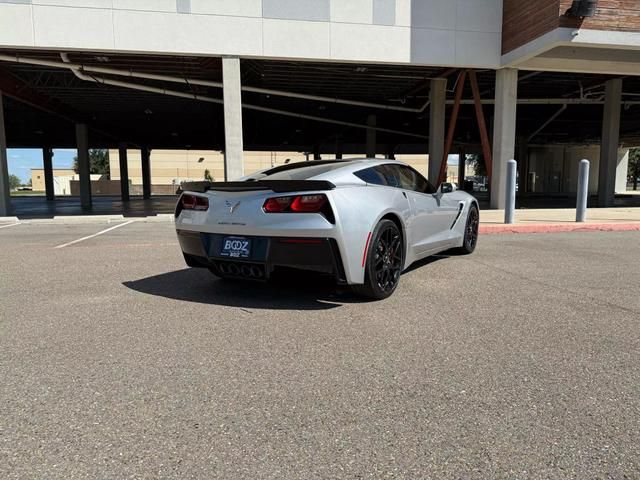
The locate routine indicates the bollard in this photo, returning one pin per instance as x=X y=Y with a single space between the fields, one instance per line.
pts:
x=583 y=191
x=510 y=193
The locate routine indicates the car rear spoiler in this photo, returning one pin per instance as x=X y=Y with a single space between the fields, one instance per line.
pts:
x=278 y=186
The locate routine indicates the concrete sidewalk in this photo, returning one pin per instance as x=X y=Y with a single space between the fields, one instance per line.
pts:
x=561 y=220
x=491 y=221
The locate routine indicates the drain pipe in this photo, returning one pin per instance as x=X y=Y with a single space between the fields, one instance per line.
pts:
x=163 y=91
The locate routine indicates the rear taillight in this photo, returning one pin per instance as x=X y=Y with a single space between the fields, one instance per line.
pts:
x=297 y=203
x=194 y=202
x=308 y=203
x=277 y=204
x=316 y=203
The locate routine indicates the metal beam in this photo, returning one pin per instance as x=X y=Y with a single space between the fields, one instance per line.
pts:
x=452 y=127
x=482 y=126
x=13 y=87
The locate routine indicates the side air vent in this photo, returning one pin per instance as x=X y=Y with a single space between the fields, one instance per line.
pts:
x=583 y=8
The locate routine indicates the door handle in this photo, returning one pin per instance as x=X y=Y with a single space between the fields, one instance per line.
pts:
x=405 y=194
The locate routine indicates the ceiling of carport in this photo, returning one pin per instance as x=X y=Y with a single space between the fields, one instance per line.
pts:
x=118 y=114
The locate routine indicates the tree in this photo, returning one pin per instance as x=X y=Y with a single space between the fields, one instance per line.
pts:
x=477 y=162
x=634 y=166
x=207 y=176
x=14 y=182
x=98 y=162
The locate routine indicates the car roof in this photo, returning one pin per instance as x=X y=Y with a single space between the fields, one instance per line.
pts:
x=322 y=169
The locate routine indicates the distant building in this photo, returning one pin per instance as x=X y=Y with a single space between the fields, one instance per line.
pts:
x=61 y=180
x=170 y=167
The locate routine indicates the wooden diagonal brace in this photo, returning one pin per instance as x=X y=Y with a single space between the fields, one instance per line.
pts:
x=452 y=126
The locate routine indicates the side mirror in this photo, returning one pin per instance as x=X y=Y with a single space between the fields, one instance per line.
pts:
x=447 y=187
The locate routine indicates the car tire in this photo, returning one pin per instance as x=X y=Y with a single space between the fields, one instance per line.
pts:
x=470 y=239
x=384 y=262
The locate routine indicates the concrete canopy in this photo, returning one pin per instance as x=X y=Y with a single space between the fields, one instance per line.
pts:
x=38 y=97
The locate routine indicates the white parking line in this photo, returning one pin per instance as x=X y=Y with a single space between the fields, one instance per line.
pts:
x=95 y=234
x=10 y=225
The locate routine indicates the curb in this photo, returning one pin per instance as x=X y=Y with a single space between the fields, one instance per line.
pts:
x=560 y=228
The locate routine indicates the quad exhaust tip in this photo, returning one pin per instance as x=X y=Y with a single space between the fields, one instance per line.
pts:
x=240 y=270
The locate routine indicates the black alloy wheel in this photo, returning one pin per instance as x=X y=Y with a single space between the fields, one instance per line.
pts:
x=471 y=231
x=385 y=258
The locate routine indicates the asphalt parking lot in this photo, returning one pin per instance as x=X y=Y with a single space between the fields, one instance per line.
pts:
x=116 y=361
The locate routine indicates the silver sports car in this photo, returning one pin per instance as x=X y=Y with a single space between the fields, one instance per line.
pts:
x=361 y=221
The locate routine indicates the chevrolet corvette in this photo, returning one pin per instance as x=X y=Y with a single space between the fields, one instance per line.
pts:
x=361 y=221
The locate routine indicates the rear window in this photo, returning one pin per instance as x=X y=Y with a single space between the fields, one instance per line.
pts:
x=303 y=173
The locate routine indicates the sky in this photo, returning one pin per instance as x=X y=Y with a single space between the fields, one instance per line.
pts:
x=22 y=160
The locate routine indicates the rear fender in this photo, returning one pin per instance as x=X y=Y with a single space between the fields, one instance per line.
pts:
x=358 y=213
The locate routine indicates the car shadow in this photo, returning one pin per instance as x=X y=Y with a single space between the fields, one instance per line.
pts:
x=296 y=291
x=427 y=261
x=300 y=292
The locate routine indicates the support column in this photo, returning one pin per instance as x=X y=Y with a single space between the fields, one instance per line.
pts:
x=146 y=172
x=47 y=164
x=437 y=112
x=371 y=136
x=504 y=132
x=316 y=152
x=5 y=189
x=82 y=141
x=124 y=172
x=391 y=152
x=523 y=165
x=338 y=149
x=232 y=94
x=609 y=142
x=462 y=167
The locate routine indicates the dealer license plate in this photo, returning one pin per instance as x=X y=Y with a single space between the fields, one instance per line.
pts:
x=236 y=247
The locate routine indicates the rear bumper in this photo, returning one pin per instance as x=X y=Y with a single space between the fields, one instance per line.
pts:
x=267 y=255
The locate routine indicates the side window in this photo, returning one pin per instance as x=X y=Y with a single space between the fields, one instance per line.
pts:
x=398 y=176
x=412 y=180
x=372 y=176
x=391 y=174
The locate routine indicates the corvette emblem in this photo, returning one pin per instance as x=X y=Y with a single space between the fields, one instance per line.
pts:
x=231 y=206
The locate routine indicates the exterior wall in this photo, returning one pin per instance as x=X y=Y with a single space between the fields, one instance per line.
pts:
x=37 y=177
x=612 y=15
x=555 y=168
x=434 y=32
x=524 y=21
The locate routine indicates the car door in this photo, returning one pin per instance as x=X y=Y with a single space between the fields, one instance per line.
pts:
x=432 y=213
